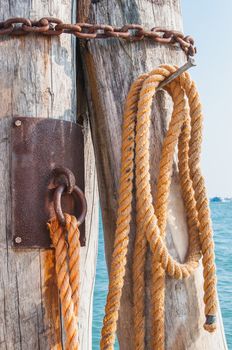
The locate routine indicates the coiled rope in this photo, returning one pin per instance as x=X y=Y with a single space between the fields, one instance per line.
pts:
x=67 y=255
x=185 y=130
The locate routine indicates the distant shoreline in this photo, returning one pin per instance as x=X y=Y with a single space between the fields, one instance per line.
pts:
x=220 y=199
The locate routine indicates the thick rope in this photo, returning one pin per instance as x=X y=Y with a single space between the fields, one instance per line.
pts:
x=184 y=130
x=67 y=255
x=205 y=225
x=74 y=259
x=163 y=185
x=117 y=270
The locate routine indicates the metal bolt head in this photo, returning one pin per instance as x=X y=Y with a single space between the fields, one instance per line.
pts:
x=18 y=240
x=18 y=123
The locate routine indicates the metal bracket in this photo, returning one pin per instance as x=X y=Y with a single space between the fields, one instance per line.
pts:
x=39 y=146
x=190 y=63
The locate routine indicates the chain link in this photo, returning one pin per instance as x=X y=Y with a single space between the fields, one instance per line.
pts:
x=130 y=32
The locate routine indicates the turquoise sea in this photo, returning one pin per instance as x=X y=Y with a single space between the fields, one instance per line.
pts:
x=222 y=223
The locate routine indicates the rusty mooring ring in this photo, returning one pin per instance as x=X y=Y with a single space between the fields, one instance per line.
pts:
x=58 y=208
x=62 y=173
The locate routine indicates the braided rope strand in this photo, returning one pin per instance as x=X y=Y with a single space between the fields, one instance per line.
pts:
x=205 y=226
x=161 y=203
x=139 y=260
x=65 y=286
x=118 y=262
x=194 y=251
x=74 y=259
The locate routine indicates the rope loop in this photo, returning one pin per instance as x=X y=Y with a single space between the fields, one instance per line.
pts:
x=185 y=133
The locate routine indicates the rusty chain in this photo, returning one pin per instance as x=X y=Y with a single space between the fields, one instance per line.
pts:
x=131 y=32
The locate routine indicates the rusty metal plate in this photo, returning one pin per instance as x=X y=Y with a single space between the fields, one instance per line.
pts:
x=38 y=146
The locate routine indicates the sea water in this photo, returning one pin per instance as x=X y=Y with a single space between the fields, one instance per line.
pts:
x=222 y=224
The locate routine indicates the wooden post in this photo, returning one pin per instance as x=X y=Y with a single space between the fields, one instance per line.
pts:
x=110 y=67
x=38 y=79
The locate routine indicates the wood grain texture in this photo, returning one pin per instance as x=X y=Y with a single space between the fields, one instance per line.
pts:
x=38 y=79
x=110 y=67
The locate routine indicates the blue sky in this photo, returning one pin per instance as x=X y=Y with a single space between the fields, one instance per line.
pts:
x=209 y=22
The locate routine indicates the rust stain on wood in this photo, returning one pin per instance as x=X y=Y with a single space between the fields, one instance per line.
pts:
x=90 y=64
x=83 y=10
